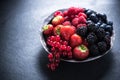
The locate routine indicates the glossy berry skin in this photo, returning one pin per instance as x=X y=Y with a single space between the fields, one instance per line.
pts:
x=47 y=29
x=80 y=52
x=109 y=29
x=66 y=32
x=58 y=20
x=103 y=26
x=110 y=23
x=94 y=18
x=58 y=13
x=75 y=40
x=57 y=29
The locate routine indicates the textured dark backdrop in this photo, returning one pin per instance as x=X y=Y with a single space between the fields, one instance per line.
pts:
x=22 y=56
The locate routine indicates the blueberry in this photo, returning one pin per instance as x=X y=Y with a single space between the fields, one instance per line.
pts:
x=99 y=23
x=102 y=17
x=86 y=10
x=89 y=21
x=109 y=28
x=103 y=26
x=107 y=33
x=93 y=17
x=110 y=23
x=89 y=12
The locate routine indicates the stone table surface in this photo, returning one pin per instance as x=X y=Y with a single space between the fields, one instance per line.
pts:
x=22 y=56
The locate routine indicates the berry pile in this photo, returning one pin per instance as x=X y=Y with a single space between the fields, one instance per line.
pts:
x=77 y=33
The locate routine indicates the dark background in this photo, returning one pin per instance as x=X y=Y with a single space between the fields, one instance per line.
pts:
x=22 y=56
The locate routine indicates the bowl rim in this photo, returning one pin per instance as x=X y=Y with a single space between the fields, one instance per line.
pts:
x=46 y=21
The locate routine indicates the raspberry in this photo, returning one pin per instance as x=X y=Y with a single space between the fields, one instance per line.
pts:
x=72 y=11
x=66 y=23
x=75 y=21
x=80 y=25
x=82 y=20
x=82 y=31
x=65 y=13
x=58 y=13
x=82 y=14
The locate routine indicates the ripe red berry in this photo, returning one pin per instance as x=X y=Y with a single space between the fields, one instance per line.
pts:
x=66 y=23
x=57 y=55
x=75 y=21
x=53 y=49
x=65 y=43
x=82 y=14
x=50 y=55
x=68 y=48
x=82 y=20
x=58 y=13
x=57 y=38
x=65 y=13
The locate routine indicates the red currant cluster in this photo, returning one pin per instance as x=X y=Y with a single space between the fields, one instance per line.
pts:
x=59 y=49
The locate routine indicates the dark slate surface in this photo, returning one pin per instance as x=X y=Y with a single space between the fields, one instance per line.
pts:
x=22 y=56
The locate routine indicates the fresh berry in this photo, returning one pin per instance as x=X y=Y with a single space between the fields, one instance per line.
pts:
x=75 y=21
x=72 y=11
x=100 y=32
x=94 y=50
x=110 y=23
x=57 y=29
x=103 y=26
x=80 y=25
x=66 y=32
x=107 y=39
x=57 y=20
x=82 y=14
x=47 y=29
x=75 y=40
x=82 y=31
x=82 y=20
x=91 y=27
x=58 y=13
x=102 y=46
x=89 y=12
x=66 y=23
x=65 y=13
x=91 y=38
x=109 y=29
x=102 y=17
x=80 y=52
x=84 y=42
x=93 y=17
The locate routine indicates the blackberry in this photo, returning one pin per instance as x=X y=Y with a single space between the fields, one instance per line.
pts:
x=94 y=50
x=102 y=46
x=107 y=39
x=100 y=32
x=91 y=27
x=82 y=31
x=91 y=38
